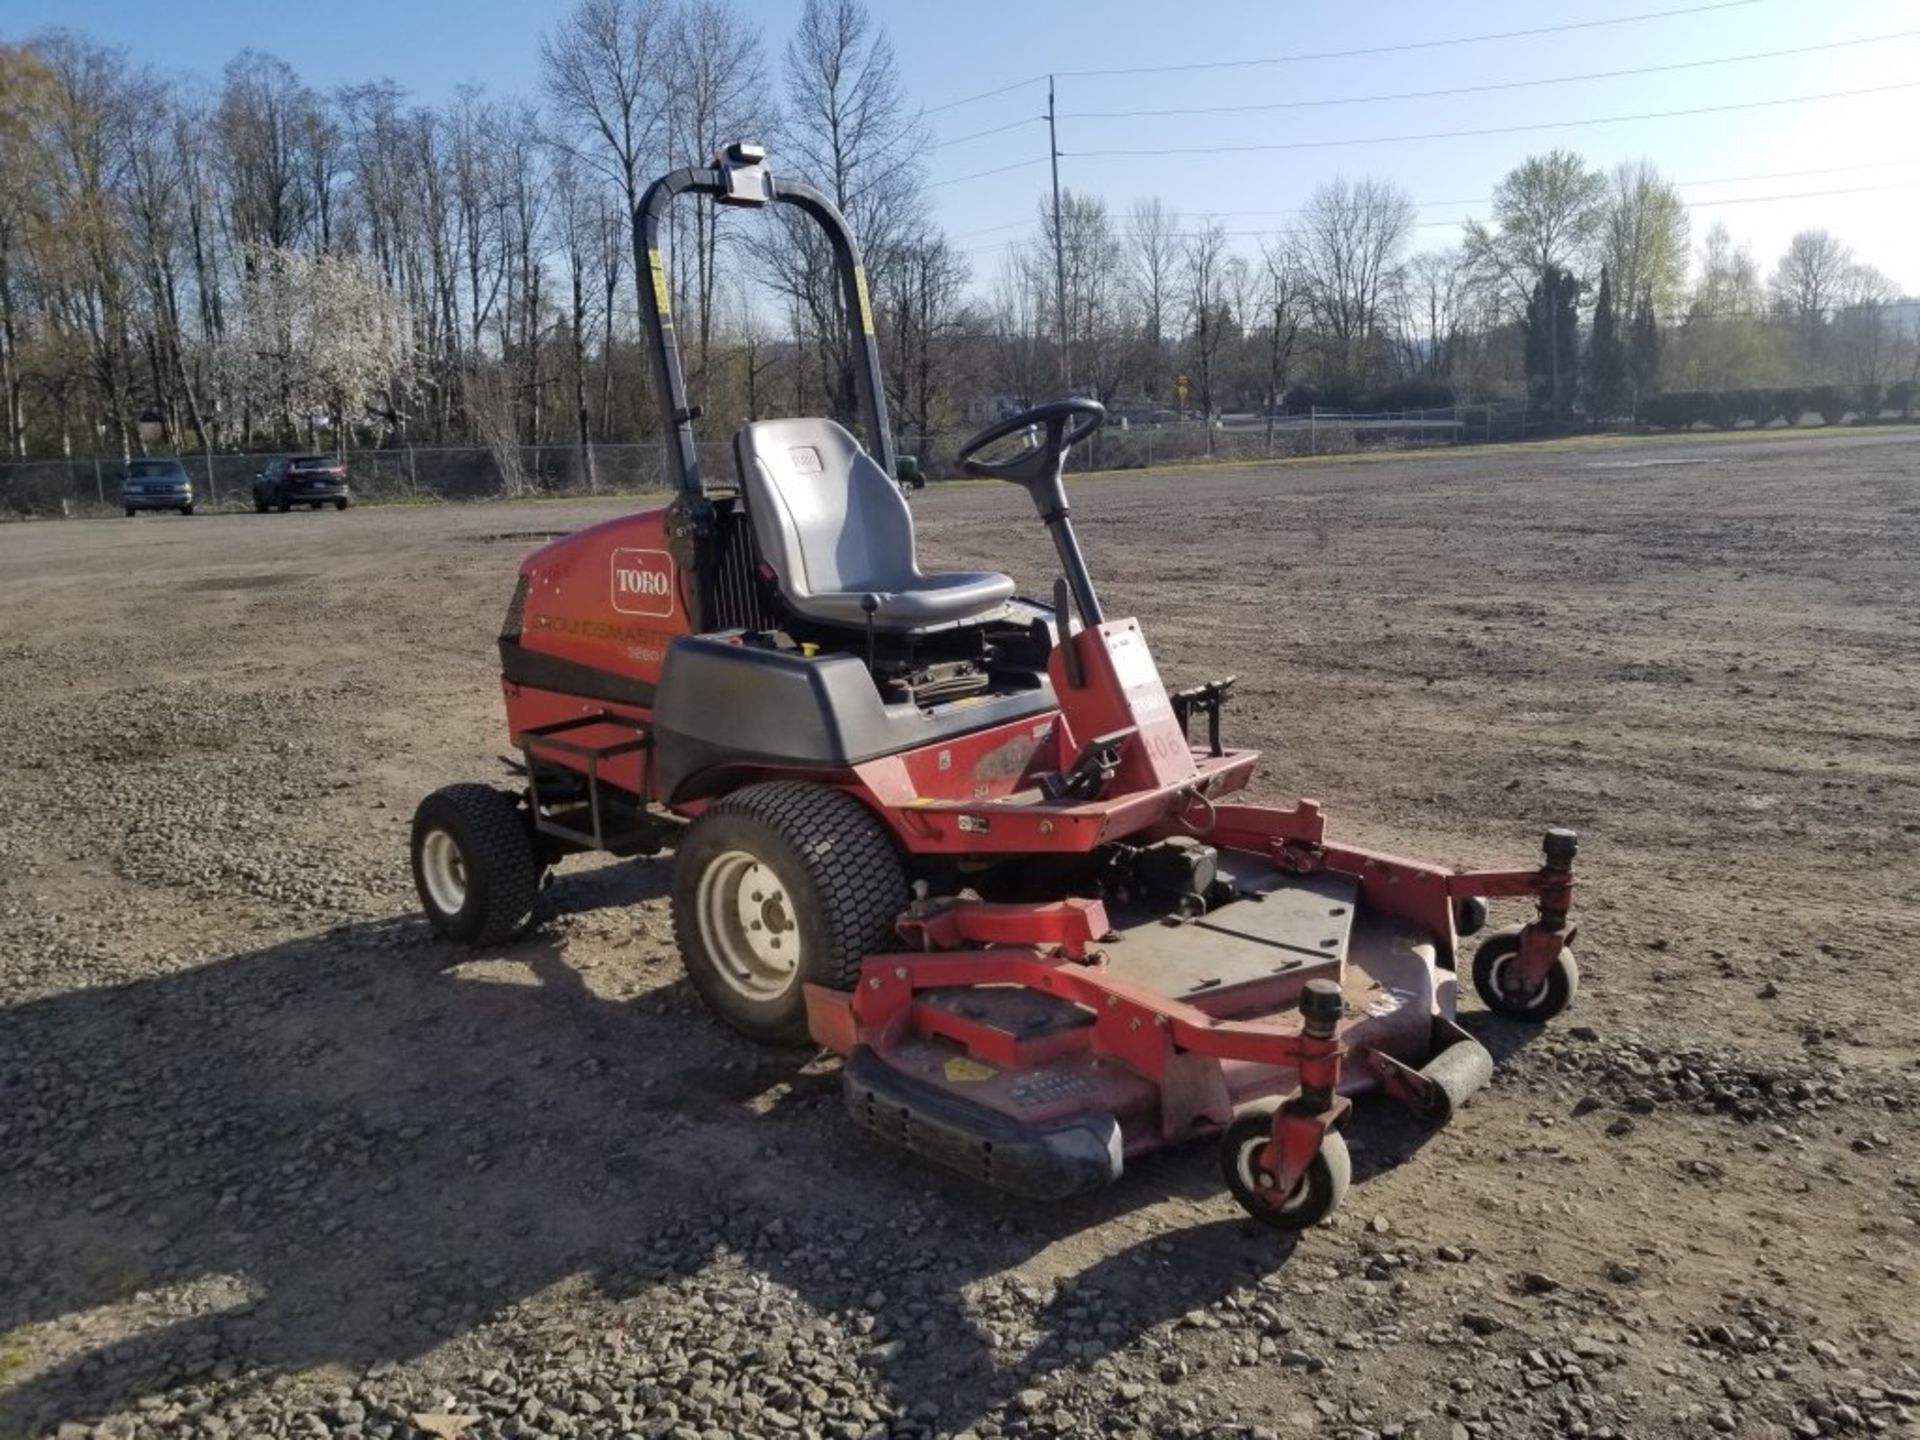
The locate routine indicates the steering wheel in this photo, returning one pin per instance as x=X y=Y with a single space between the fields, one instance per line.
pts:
x=1039 y=463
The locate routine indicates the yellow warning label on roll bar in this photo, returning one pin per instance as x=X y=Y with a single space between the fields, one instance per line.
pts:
x=661 y=300
x=866 y=305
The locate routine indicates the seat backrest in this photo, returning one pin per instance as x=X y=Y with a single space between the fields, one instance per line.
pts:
x=826 y=517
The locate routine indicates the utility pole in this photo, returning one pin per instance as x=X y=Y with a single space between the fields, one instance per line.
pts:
x=1059 y=252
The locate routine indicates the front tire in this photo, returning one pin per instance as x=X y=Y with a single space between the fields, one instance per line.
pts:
x=129 y=512
x=1319 y=1192
x=259 y=506
x=186 y=509
x=341 y=503
x=778 y=886
x=474 y=865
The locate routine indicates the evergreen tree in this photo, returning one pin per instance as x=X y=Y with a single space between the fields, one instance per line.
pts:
x=1606 y=357
x=1553 y=340
x=1643 y=351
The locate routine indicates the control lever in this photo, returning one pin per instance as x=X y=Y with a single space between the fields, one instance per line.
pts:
x=1063 y=632
x=1204 y=700
x=869 y=603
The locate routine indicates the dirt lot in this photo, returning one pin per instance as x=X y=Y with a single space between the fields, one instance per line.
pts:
x=272 y=1162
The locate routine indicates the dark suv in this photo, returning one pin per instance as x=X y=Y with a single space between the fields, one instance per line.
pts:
x=312 y=480
x=156 y=485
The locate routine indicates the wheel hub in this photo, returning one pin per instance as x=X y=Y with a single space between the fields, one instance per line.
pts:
x=746 y=918
x=1506 y=979
x=445 y=871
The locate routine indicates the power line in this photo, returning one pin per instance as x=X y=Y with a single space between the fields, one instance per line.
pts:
x=1005 y=245
x=1487 y=88
x=982 y=174
x=1487 y=199
x=1000 y=130
x=1417 y=44
x=1495 y=129
x=1351 y=54
x=983 y=95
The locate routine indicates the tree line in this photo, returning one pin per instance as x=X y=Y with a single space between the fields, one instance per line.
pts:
x=255 y=264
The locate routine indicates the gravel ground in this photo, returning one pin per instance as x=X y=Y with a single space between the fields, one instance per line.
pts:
x=275 y=1162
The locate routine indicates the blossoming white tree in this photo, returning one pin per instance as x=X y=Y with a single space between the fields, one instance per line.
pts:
x=318 y=335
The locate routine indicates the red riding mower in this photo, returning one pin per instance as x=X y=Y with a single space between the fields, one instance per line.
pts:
x=965 y=839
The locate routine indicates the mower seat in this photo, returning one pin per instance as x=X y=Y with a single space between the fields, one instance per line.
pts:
x=834 y=528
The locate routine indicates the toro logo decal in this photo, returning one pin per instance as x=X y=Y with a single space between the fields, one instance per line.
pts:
x=642 y=582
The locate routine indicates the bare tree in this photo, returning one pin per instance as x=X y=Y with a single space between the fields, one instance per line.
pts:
x=1091 y=261
x=602 y=71
x=1436 y=304
x=1203 y=281
x=716 y=93
x=921 y=306
x=850 y=130
x=1153 y=255
x=1348 y=247
x=1807 y=283
x=1284 y=301
x=576 y=226
x=1809 y=278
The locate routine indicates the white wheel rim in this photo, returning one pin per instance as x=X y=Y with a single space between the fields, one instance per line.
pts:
x=444 y=871
x=747 y=922
x=1497 y=973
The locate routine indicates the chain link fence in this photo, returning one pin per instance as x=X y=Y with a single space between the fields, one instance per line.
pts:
x=224 y=481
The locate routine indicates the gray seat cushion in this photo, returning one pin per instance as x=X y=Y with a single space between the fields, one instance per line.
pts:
x=834 y=528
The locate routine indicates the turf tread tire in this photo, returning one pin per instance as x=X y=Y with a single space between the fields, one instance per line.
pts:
x=503 y=874
x=837 y=849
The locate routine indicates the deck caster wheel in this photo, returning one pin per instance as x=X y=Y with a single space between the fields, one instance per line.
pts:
x=1496 y=977
x=473 y=864
x=1319 y=1192
x=778 y=886
x=1470 y=915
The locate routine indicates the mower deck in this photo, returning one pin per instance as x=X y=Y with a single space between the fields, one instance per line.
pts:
x=1006 y=1083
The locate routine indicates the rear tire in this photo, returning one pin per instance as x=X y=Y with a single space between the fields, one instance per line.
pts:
x=129 y=512
x=341 y=503
x=186 y=509
x=259 y=506
x=778 y=886
x=473 y=864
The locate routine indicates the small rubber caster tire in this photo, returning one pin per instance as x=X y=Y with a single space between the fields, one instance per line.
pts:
x=1492 y=963
x=473 y=864
x=1470 y=915
x=1319 y=1192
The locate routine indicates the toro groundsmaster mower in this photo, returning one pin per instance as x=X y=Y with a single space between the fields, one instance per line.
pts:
x=966 y=839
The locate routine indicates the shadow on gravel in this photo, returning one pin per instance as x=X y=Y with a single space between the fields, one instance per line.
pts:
x=337 y=1150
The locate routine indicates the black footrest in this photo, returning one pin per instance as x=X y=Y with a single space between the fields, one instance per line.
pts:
x=1039 y=1162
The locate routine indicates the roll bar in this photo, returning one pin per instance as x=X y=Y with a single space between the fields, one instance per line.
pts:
x=739 y=176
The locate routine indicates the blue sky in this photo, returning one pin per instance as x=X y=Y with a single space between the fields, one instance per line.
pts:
x=1733 y=161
